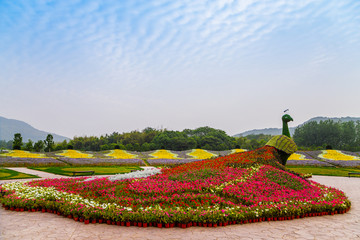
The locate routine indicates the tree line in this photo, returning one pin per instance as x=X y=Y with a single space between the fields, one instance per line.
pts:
x=145 y=140
x=328 y=134
x=152 y=139
x=309 y=136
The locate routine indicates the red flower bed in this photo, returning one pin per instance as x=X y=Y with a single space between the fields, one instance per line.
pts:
x=238 y=188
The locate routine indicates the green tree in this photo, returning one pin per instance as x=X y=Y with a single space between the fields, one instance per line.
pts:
x=39 y=146
x=29 y=146
x=104 y=147
x=215 y=139
x=348 y=136
x=61 y=146
x=145 y=147
x=49 y=143
x=17 y=142
x=328 y=134
x=6 y=145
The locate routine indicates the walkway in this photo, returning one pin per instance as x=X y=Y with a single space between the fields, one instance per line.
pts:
x=42 y=174
x=25 y=225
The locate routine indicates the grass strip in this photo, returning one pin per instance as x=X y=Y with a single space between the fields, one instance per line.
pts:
x=325 y=171
x=107 y=170
x=7 y=174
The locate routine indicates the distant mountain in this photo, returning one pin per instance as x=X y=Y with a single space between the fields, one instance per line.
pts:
x=8 y=127
x=265 y=131
x=278 y=131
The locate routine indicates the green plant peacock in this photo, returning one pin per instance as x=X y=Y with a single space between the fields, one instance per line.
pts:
x=284 y=145
x=277 y=150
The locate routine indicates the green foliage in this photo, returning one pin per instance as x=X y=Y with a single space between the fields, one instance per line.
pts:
x=6 y=144
x=61 y=146
x=192 y=176
x=325 y=171
x=29 y=146
x=49 y=143
x=285 y=119
x=151 y=139
x=39 y=146
x=337 y=135
x=252 y=142
x=103 y=170
x=6 y=174
x=17 y=142
x=173 y=140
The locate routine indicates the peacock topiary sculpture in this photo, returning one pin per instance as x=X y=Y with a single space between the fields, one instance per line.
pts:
x=276 y=151
x=284 y=145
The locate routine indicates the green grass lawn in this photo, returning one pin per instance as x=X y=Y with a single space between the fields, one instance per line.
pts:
x=7 y=174
x=67 y=171
x=326 y=171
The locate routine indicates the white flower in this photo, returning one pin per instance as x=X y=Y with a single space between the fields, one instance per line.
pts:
x=138 y=174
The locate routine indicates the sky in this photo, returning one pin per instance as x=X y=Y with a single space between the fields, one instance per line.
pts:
x=89 y=68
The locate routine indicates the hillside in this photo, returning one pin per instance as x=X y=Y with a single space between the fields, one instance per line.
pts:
x=8 y=127
x=277 y=131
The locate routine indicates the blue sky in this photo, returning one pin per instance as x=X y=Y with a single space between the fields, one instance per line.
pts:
x=80 y=68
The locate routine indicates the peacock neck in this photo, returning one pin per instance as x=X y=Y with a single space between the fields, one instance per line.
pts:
x=285 y=130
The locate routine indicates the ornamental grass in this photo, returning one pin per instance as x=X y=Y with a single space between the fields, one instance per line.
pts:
x=238 y=188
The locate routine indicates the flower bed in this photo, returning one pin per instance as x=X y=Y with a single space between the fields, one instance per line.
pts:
x=74 y=154
x=237 y=150
x=237 y=188
x=201 y=154
x=170 y=162
x=164 y=154
x=351 y=163
x=101 y=161
x=22 y=154
x=303 y=158
x=337 y=158
x=28 y=162
x=121 y=154
x=337 y=155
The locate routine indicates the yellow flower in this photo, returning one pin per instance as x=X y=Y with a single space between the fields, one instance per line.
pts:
x=237 y=150
x=121 y=154
x=23 y=154
x=337 y=155
x=164 y=154
x=200 y=154
x=74 y=154
x=297 y=156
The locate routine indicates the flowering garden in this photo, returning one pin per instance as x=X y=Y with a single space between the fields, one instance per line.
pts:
x=237 y=188
x=162 y=157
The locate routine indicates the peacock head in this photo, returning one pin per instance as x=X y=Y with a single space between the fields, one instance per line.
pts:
x=286 y=118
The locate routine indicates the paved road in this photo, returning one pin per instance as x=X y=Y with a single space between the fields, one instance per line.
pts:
x=25 y=225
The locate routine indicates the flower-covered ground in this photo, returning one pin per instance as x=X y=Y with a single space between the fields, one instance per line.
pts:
x=338 y=158
x=200 y=154
x=238 y=188
x=338 y=155
x=303 y=158
x=23 y=154
x=74 y=154
x=121 y=154
x=164 y=154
